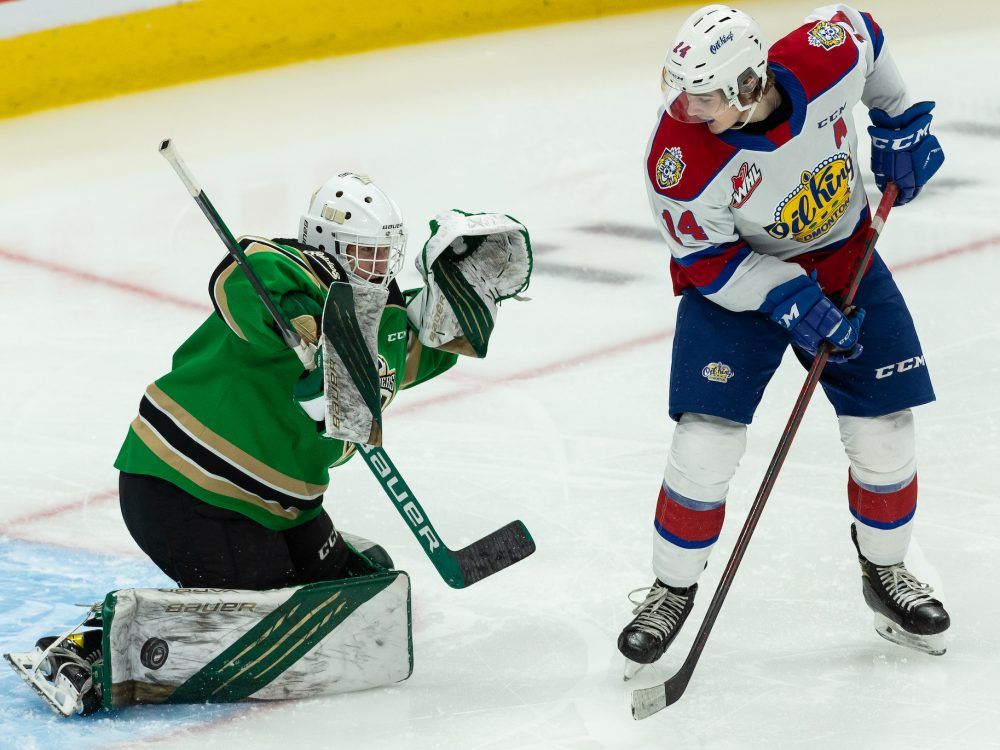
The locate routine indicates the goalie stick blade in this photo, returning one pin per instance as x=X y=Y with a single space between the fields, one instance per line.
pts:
x=648 y=701
x=494 y=552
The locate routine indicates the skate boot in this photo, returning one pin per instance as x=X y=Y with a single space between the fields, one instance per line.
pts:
x=658 y=619
x=60 y=669
x=905 y=611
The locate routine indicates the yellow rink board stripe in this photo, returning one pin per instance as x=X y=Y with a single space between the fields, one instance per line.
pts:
x=191 y=41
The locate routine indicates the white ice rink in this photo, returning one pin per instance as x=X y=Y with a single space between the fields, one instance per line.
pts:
x=104 y=263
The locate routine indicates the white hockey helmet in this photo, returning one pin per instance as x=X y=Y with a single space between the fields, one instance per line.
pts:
x=352 y=218
x=719 y=49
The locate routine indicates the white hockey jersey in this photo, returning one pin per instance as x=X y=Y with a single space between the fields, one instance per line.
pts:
x=745 y=213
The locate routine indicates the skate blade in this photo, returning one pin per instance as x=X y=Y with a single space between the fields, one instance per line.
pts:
x=929 y=644
x=59 y=696
x=632 y=668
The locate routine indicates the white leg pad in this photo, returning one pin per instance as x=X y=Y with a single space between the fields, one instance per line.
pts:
x=224 y=645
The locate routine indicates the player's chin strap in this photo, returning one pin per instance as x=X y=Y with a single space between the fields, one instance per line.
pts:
x=470 y=263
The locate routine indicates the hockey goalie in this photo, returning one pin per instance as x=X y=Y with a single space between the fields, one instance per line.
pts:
x=224 y=470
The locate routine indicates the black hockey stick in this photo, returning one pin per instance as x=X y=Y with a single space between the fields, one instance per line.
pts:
x=647 y=701
x=459 y=568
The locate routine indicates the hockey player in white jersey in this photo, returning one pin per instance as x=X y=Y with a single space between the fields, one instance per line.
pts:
x=753 y=179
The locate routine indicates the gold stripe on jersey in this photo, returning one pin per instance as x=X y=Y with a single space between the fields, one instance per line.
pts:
x=222 y=301
x=252 y=467
x=258 y=245
x=412 y=362
x=196 y=474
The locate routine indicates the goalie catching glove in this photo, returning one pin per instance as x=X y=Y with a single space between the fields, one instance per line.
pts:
x=470 y=264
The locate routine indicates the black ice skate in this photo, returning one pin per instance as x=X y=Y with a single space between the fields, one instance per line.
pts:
x=905 y=613
x=61 y=669
x=658 y=619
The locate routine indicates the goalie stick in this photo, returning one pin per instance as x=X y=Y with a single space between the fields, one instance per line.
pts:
x=459 y=568
x=647 y=701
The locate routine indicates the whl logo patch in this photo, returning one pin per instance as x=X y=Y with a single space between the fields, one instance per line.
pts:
x=827 y=35
x=817 y=203
x=744 y=183
x=669 y=168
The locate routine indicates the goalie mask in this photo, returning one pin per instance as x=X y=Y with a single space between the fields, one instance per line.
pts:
x=350 y=217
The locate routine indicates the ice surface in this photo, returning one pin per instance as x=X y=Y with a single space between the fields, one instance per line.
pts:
x=105 y=261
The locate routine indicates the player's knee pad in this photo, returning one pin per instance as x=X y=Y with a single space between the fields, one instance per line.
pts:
x=881 y=449
x=704 y=455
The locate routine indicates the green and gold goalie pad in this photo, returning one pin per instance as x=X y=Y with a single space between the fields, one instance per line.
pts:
x=225 y=645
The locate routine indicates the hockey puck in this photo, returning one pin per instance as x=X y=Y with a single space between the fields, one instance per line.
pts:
x=154 y=653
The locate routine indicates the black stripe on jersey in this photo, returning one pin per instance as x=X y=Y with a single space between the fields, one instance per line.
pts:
x=208 y=461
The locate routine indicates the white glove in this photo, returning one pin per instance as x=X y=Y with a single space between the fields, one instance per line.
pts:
x=470 y=264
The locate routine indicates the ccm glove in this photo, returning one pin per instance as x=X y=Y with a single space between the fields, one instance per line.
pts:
x=903 y=150
x=811 y=317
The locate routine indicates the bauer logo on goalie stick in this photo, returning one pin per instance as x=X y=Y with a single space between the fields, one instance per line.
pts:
x=670 y=168
x=827 y=35
x=717 y=372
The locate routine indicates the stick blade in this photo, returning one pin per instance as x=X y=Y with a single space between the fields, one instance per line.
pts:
x=648 y=701
x=494 y=552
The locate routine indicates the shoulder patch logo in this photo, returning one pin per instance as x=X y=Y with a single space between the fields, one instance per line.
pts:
x=669 y=168
x=717 y=372
x=744 y=183
x=827 y=35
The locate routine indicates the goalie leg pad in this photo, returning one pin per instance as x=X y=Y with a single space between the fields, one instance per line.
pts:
x=226 y=645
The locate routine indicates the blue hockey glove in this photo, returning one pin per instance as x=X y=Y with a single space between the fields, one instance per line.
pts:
x=903 y=150
x=810 y=316
x=308 y=390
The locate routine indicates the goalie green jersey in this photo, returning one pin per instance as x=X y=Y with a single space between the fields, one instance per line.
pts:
x=223 y=425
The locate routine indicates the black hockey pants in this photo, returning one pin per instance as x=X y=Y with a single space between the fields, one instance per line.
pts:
x=201 y=546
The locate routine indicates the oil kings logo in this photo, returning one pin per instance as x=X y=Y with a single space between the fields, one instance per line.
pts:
x=827 y=35
x=817 y=203
x=669 y=168
x=386 y=381
x=717 y=372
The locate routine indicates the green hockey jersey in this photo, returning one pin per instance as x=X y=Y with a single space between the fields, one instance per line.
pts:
x=223 y=425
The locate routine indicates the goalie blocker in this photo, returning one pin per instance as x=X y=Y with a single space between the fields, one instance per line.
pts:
x=227 y=645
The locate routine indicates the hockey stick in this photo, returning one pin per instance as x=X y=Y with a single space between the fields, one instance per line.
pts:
x=647 y=701
x=459 y=568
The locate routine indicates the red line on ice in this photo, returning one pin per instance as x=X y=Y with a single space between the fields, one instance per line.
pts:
x=99 y=497
x=93 y=278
